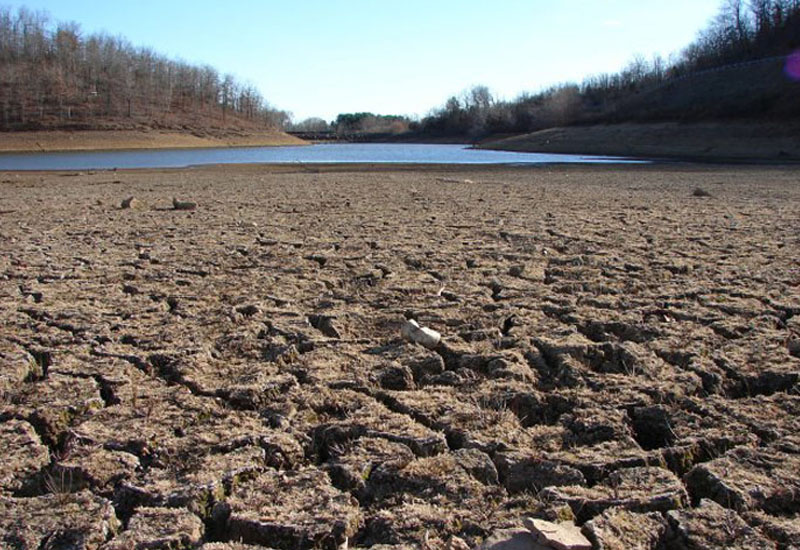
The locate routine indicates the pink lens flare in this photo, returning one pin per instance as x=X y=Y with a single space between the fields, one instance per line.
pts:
x=793 y=66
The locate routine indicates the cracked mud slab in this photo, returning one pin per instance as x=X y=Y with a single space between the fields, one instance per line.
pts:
x=615 y=350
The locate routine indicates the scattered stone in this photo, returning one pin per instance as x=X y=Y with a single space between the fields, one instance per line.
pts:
x=700 y=192
x=512 y=539
x=130 y=202
x=424 y=336
x=561 y=536
x=477 y=464
x=327 y=325
x=183 y=205
x=793 y=346
x=248 y=310
x=159 y=529
x=396 y=377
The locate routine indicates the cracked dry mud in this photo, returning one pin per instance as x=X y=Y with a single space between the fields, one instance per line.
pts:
x=616 y=351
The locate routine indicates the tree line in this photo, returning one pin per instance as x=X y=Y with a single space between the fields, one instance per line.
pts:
x=355 y=125
x=757 y=33
x=51 y=76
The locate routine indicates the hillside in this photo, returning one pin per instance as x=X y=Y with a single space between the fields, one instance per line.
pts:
x=730 y=94
x=52 y=77
x=92 y=140
x=718 y=141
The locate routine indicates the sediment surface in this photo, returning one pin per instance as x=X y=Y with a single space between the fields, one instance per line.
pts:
x=618 y=348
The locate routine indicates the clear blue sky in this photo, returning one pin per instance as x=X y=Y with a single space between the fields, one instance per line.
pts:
x=323 y=57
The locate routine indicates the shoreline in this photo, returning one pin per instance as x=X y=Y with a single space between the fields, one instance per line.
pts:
x=64 y=141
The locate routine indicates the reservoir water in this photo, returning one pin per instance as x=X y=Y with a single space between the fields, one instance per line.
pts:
x=380 y=153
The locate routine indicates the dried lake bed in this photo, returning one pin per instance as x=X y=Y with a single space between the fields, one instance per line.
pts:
x=618 y=349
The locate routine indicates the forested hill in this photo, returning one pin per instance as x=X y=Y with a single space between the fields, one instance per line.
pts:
x=53 y=77
x=745 y=65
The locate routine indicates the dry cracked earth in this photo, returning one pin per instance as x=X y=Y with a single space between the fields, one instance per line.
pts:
x=616 y=351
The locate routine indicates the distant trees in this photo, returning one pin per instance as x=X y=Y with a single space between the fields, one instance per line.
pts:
x=52 y=76
x=313 y=124
x=742 y=31
x=353 y=124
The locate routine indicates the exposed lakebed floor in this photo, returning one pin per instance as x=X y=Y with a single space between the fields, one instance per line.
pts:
x=616 y=350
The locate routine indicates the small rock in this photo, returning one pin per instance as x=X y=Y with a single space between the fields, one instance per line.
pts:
x=327 y=325
x=130 y=202
x=130 y=289
x=248 y=310
x=700 y=192
x=396 y=377
x=794 y=348
x=512 y=539
x=183 y=205
x=561 y=536
x=424 y=336
x=516 y=270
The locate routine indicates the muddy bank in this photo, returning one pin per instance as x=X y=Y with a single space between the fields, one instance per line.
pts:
x=707 y=141
x=99 y=140
x=618 y=350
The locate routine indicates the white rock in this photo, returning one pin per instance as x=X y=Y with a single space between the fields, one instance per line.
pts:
x=561 y=536
x=424 y=336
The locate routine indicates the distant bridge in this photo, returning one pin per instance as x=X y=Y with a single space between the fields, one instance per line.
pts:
x=316 y=136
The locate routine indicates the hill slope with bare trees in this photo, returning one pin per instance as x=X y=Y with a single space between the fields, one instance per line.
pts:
x=52 y=77
x=743 y=67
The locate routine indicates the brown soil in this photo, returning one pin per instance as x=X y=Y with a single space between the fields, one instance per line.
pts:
x=85 y=140
x=617 y=350
x=776 y=142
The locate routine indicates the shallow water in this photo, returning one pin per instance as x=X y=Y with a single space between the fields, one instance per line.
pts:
x=381 y=153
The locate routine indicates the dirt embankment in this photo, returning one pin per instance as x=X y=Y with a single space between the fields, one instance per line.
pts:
x=699 y=141
x=86 y=140
x=618 y=349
